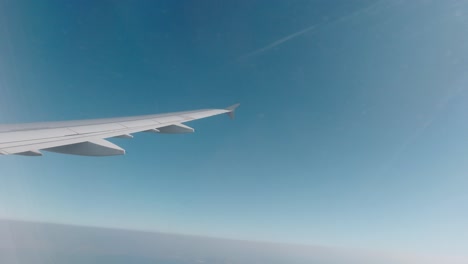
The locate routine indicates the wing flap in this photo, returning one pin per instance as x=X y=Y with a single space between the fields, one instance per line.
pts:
x=176 y=129
x=152 y=130
x=124 y=136
x=95 y=147
x=31 y=153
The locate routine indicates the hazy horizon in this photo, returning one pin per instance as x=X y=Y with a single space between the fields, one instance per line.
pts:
x=23 y=242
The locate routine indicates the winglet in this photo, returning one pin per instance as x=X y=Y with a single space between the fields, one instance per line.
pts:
x=231 y=110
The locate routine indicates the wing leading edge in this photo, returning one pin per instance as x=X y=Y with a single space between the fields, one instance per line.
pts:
x=88 y=137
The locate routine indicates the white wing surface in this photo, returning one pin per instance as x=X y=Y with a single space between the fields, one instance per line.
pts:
x=87 y=137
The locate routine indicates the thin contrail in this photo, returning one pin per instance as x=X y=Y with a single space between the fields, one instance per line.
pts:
x=279 y=42
x=305 y=30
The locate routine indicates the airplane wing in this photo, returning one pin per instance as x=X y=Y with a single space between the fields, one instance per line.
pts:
x=88 y=137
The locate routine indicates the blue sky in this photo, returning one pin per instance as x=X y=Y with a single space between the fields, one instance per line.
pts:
x=352 y=129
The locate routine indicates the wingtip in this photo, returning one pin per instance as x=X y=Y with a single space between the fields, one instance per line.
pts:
x=231 y=110
x=232 y=107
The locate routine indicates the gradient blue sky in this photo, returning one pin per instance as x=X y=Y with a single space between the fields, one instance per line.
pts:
x=352 y=133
